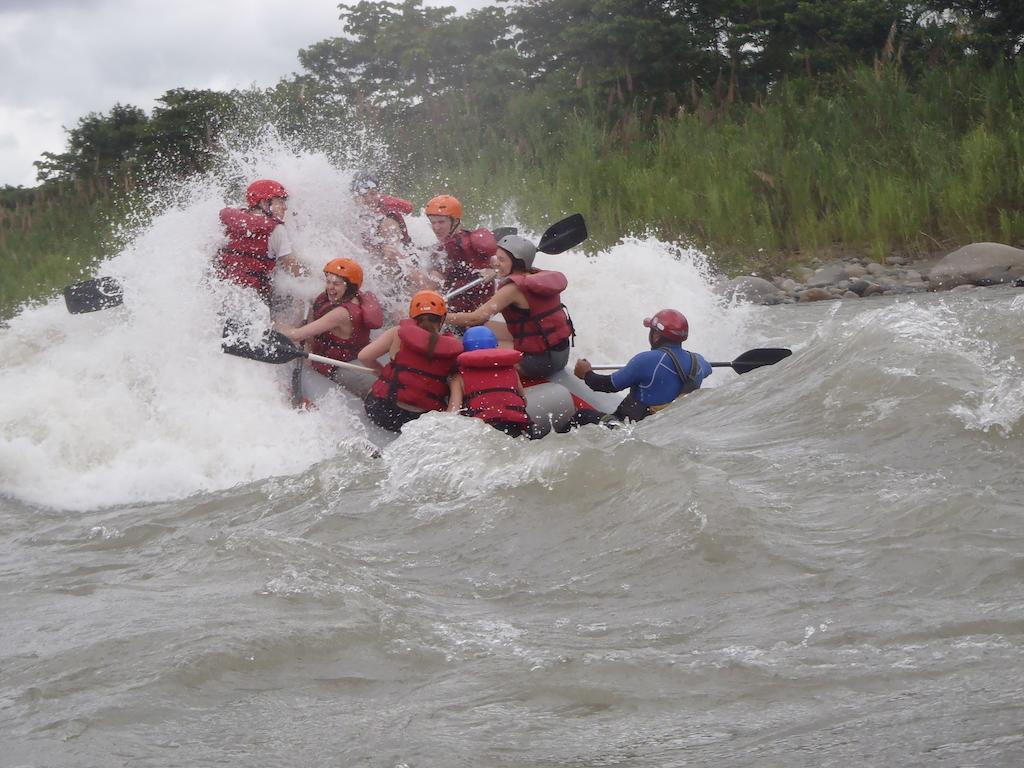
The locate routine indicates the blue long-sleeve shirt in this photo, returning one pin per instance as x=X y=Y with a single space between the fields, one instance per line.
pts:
x=653 y=378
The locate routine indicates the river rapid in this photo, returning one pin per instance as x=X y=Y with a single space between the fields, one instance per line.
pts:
x=816 y=563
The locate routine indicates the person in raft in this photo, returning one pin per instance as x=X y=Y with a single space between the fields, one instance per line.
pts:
x=655 y=378
x=465 y=253
x=530 y=300
x=257 y=240
x=422 y=360
x=342 y=316
x=487 y=385
x=385 y=233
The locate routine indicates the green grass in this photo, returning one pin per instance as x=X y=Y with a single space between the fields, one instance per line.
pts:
x=866 y=162
x=872 y=165
x=50 y=237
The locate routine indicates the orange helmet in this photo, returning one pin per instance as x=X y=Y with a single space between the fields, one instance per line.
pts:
x=264 y=189
x=427 y=303
x=347 y=269
x=444 y=205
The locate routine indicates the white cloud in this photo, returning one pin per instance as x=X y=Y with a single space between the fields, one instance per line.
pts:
x=63 y=59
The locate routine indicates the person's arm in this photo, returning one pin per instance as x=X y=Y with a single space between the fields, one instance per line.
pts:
x=377 y=348
x=331 y=320
x=292 y=265
x=455 y=393
x=705 y=367
x=625 y=377
x=505 y=296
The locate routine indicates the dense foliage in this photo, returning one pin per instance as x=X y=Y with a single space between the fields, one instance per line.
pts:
x=786 y=125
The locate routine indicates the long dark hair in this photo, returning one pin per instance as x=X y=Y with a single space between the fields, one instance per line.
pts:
x=351 y=289
x=431 y=324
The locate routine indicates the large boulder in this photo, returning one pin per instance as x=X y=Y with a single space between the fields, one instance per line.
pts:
x=754 y=290
x=830 y=274
x=977 y=264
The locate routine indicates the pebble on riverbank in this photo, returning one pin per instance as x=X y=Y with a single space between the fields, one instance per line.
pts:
x=977 y=264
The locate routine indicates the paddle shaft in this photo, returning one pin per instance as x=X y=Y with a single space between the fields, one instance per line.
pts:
x=748 y=361
x=471 y=284
x=337 y=363
x=610 y=367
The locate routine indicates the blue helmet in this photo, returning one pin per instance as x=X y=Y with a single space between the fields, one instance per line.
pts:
x=479 y=337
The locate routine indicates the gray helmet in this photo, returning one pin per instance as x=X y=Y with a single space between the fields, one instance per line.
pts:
x=364 y=181
x=520 y=248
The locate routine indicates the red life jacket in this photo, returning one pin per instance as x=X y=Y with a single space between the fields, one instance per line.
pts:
x=468 y=252
x=243 y=260
x=396 y=208
x=412 y=377
x=366 y=315
x=489 y=386
x=546 y=323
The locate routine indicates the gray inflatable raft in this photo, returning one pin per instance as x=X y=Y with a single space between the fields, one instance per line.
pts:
x=549 y=404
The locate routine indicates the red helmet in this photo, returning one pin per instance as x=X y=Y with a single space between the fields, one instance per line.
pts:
x=264 y=189
x=670 y=323
x=444 y=205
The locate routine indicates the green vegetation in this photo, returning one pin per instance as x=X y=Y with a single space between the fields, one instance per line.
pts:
x=51 y=236
x=764 y=130
x=871 y=166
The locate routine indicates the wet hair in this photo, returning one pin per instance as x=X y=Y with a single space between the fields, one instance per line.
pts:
x=431 y=324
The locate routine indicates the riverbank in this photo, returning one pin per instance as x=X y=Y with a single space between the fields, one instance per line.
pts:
x=856 y=277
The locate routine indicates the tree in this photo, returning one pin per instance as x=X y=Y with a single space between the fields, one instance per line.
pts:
x=98 y=146
x=180 y=137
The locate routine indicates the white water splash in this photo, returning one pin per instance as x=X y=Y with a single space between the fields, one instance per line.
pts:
x=138 y=404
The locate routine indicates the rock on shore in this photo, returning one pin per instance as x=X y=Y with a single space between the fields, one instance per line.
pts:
x=977 y=264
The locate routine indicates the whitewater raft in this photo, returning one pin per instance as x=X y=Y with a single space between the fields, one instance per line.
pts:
x=551 y=403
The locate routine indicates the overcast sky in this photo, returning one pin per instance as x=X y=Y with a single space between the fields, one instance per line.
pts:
x=62 y=59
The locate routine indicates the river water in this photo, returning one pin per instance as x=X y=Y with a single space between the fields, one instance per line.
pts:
x=817 y=563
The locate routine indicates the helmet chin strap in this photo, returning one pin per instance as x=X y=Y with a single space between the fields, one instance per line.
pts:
x=454 y=226
x=267 y=210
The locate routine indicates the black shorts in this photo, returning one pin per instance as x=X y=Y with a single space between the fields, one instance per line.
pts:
x=513 y=429
x=386 y=414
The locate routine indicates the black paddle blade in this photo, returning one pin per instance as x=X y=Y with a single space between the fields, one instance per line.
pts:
x=756 y=358
x=274 y=347
x=93 y=295
x=500 y=232
x=563 y=235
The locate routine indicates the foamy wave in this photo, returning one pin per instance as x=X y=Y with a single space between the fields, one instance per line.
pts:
x=138 y=404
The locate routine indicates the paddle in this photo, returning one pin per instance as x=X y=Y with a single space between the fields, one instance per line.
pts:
x=748 y=361
x=563 y=235
x=93 y=295
x=276 y=348
x=558 y=238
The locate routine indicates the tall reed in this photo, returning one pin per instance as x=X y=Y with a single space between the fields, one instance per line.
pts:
x=51 y=236
x=871 y=163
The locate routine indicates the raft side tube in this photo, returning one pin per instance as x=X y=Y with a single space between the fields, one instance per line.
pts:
x=550 y=407
x=315 y=386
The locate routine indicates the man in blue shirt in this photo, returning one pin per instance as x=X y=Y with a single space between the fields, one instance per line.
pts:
x=654 y=378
